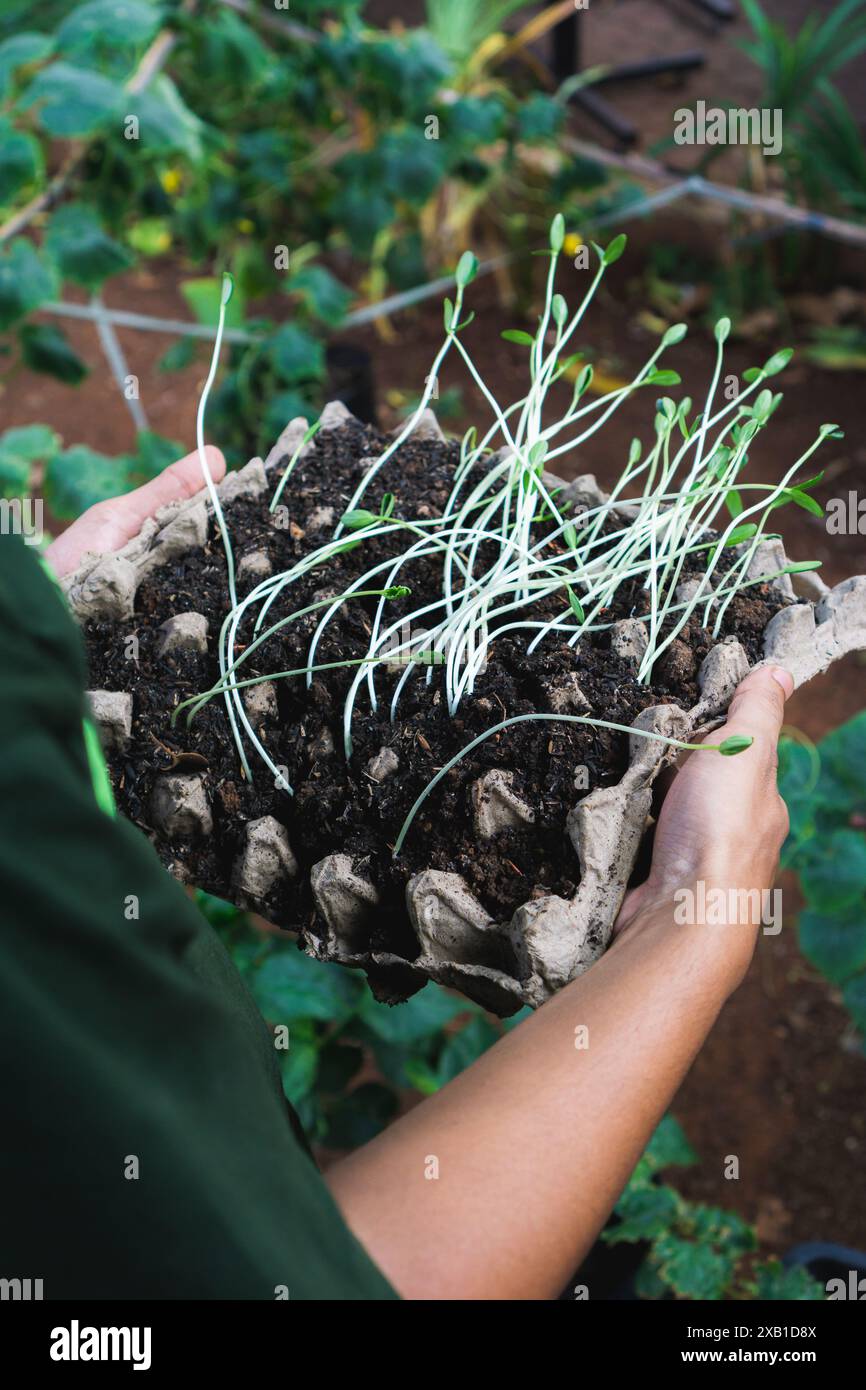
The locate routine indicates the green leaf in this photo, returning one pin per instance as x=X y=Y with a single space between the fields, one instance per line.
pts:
x=674 y=334
x=778 y=362
x=323 y=294
x=615 y=249
x=224 y=916
x=361 y=212
x=166 y=125
x=843 y=756
x=107 y=24
x=467 y=269
x=734 y=744
x=834 y=872
x=808 y=503
x=733 y=502
x=299 y=1065
x=464 y=1047
x=669 y=1147
x=286 y=405
x=78 y=477
x=82 y=249
x=21 y=162
x=774 y=1283
x=360 y=1116
x=296 y=355
x=539 y=117
x=517 y=335
x=27 y=279
x=662 y=378
x=17 y=52
x=149 y=236
x=358 y=519
x=557 y=233
x=20 y=448
x=692 y=1269
x=741 y=533
x=291 y=985
x=178 y=356
x=799 y=765
x=154 y=453
x=204 y=296
x=73 y=100
x=645 y=1210
x=45 y=348
x=422 y=1016
x=576 y=606
x=724 y=1229
x=420 y=1075
x=722 y=329
x=835 y=942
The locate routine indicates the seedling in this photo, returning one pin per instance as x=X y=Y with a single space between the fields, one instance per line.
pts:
x=512 y=556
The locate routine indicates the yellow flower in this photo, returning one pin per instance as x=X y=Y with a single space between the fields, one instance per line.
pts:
x=171 y=179
x=572 y=244
x=246 y=225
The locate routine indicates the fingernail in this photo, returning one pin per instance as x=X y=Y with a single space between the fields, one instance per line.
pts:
x=784 y=679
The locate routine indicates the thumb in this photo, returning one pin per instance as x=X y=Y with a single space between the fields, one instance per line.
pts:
x=758 y=706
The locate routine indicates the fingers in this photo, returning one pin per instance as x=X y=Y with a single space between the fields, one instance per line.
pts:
x=760 y=700
x=109 y=525
x=723 y=819
x=758 y=708
x=179 y=480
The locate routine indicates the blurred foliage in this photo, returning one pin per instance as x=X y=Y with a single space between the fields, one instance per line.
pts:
x=694 y=1251
x=265 y=153
x=823 y=160
x=821 y=164
x=351 y=1060
x=826 y=798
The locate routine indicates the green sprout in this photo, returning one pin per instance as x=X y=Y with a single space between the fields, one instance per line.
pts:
x=512 y=554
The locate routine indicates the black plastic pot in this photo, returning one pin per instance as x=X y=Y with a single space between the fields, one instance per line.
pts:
x=825 y=1261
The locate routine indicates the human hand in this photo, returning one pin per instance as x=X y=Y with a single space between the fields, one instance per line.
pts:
x=109 y=525
x=722 y=825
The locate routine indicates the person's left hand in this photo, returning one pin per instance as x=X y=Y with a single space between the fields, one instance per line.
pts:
x=109 y=525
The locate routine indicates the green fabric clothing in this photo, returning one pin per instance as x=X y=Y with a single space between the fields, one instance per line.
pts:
x=130 y=1043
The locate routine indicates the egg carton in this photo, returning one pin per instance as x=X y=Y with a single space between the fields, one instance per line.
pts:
x=548 y=941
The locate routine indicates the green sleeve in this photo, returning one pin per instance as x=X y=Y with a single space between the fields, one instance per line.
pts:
x=130 y=1044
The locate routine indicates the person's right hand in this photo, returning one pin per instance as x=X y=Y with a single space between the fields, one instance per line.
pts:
x=723 y=820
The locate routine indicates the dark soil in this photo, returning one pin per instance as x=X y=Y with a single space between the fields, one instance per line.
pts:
x=338 y=806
